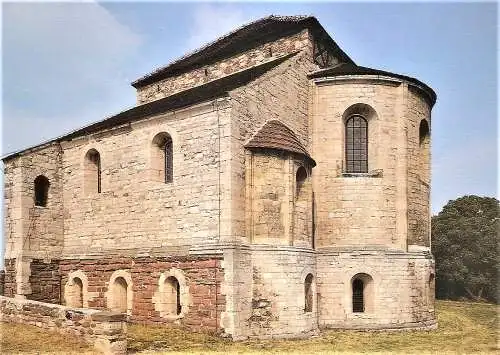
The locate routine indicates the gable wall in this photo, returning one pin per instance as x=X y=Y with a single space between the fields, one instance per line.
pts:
x=243 y=60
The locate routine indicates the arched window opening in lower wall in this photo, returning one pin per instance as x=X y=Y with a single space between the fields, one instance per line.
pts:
x=431 y=291
x=300 y=180
x=172 y=295
x=172 y=299
x=308 y=293
x=358 y=301
x=74 y=293
x=120 y=295
x=362 y=293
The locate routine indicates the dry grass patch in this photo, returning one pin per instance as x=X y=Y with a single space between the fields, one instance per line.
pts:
x=464 y=328
x=28 y=339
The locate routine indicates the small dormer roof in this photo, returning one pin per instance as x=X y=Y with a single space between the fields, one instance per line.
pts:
x=275 y=135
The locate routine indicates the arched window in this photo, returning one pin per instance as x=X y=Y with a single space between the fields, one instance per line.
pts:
x=75 y=290
x=358 y=302
x=308 y=293
x=41 y=191
x=172 y=296
x=92 y=171
x=431 y=291
x=356 y=144
x=362 y=293
x=423 y=132
x=300 y=179
x=74 y=293
x=119 y=295
x=162 y=158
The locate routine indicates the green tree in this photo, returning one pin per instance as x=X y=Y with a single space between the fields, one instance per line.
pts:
x=464 y=243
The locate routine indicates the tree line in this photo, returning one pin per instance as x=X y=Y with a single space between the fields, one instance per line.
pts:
x=465 y=238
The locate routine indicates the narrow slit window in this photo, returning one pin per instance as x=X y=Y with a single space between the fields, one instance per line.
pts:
x=308 y=293
x=92 y=172
x=356 y=144
x=168 y=160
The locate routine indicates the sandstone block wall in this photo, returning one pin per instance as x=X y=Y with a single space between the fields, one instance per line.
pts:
x=134 y=211
x=368 y=209
x=278 y=298
x=418 y=172
x=281 y=94
x=357 y=210
x=402 y=294
x=2 y=282
x=223 y=67
x=45 y=281
x=33 y=230
x=106 y=331
x=278 y=210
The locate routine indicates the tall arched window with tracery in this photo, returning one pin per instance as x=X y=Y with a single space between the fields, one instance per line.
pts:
x=356 y=144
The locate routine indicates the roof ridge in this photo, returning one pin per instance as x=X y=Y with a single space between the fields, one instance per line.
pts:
x=297 y=18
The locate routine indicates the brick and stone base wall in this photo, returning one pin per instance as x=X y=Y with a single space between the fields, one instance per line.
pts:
x=199 y=278
x=45 y=281
x=105 y=330
x=10 y=278
x=398 y=289
x=2 y=282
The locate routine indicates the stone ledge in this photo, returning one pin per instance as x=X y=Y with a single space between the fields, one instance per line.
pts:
x=105 y=330
x=106 y=316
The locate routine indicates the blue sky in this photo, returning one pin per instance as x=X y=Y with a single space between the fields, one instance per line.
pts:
x=65 y=65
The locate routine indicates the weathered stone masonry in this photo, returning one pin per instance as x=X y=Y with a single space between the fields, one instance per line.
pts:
x=226 y=201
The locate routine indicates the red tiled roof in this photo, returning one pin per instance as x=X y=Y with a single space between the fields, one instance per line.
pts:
x=275 y=135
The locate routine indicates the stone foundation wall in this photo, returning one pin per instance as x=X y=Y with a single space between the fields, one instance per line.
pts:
x=201 y=297
x=45 y=281
x=400 y=296
x=10 y=278
x=2 y=282
x=278 y=297
x=105 y=330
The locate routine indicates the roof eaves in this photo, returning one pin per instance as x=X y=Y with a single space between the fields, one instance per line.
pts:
x=352 y=69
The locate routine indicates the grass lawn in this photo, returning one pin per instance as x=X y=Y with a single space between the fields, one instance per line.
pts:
x=464 y=328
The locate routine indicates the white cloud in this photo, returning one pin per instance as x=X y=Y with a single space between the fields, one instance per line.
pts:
x=213 y=21
x=62 y=60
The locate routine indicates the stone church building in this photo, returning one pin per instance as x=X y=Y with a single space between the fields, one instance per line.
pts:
x=264 y=185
